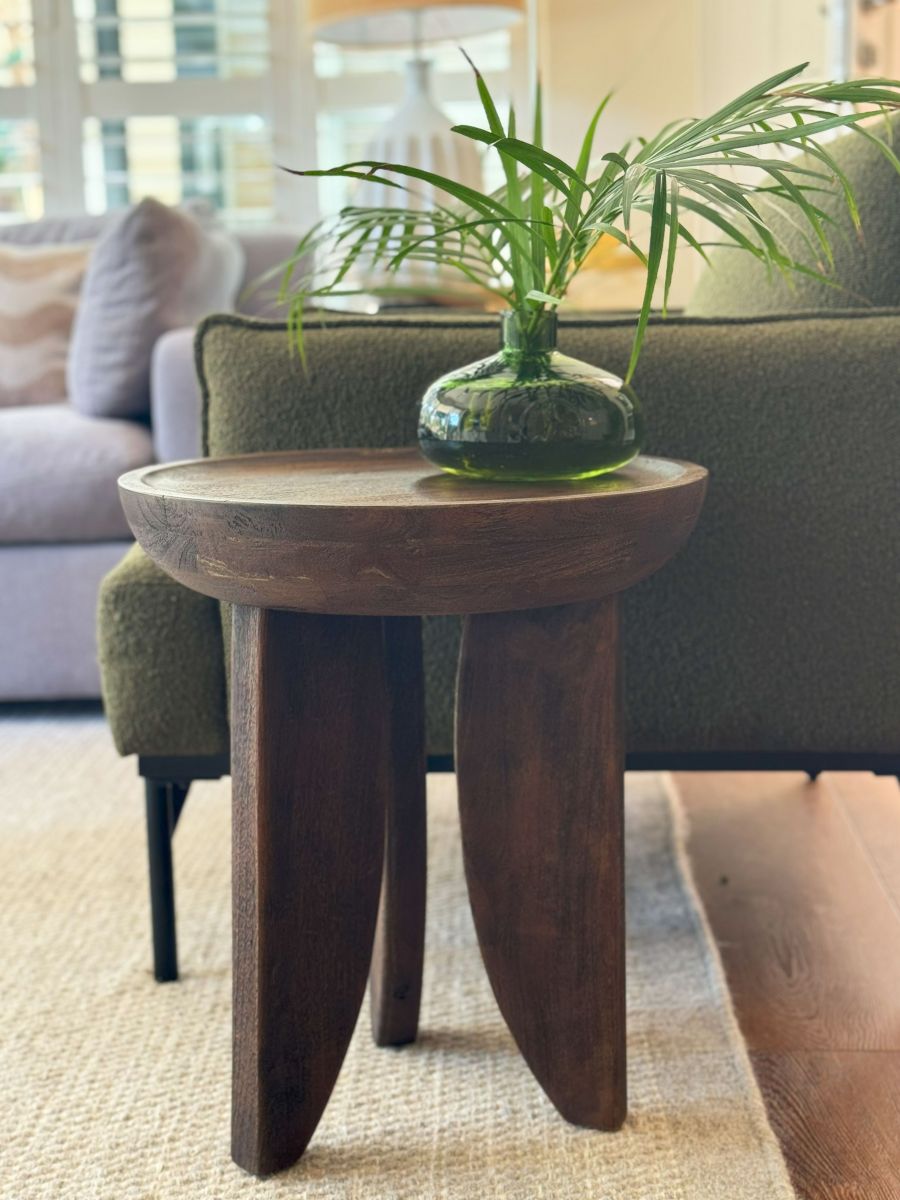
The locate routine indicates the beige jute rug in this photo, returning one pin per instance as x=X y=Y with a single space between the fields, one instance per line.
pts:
x=112 y=1086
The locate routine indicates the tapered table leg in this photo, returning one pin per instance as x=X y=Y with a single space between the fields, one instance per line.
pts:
x=308 y=755
x=396 y=975
x=539 y=764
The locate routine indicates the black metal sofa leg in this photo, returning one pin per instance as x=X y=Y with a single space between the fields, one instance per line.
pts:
x=160 y=822
x=164 y=801
x=166 y=783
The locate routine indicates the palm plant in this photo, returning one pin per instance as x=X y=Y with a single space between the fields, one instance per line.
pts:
x=525 y=242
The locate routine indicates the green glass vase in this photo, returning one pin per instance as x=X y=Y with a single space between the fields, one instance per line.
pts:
x=530 y=413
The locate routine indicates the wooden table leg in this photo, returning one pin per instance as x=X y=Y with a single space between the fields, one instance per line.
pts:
x=308 y=755
x=539 y=763
x=395 y=980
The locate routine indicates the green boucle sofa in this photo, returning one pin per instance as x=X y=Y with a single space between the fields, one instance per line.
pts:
x=773 y=640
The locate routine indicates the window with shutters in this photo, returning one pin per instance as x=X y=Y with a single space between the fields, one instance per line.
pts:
x=103 y=102
x=21 y=194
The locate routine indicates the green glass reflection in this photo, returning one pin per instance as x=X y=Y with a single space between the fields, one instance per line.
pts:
x=530 y=413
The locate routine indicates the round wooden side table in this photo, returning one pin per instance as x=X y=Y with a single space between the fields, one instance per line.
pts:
x=330 y=558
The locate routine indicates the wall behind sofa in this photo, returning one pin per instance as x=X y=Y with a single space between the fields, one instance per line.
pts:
x=665 y=59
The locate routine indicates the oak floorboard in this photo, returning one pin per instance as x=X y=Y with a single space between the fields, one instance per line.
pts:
x=807 y=931
x=800 y=883
x=872 y=806
x=837 y=1117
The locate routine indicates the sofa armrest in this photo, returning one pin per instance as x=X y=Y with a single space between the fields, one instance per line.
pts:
x=162 y=663
x=175 y=402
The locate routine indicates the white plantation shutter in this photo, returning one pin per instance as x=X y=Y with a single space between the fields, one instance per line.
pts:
x=105 y=101
x=178 y=95
x=21 y=194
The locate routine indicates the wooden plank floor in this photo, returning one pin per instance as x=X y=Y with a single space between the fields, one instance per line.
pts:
x=801 y=883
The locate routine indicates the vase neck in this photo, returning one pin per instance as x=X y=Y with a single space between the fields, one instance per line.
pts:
x=529 y=332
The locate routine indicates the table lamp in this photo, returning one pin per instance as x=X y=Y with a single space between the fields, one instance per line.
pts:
x=418 y=135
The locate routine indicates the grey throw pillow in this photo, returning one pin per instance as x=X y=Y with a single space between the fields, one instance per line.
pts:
x=153 y=269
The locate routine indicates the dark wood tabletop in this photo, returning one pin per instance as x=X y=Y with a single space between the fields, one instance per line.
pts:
x=380 y=532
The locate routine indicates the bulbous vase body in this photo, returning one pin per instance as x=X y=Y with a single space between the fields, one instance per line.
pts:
x=530 y=413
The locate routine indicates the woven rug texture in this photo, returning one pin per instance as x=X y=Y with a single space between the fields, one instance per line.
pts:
x=116 y=1088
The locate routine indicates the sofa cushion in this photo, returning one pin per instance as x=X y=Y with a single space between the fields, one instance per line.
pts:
x=39 y=288
x=79 y=227
x=866 y=268
x=162 y=663
x=153 y=269
x=265 y=252
x=48 y=614
x=58 y=472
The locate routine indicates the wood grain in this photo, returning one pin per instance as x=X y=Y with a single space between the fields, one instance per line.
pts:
x=396 y=975
x=327 y=736
x=837 y=1117
x=800 y=882
x=308 y=748
x=539 y=766
x=382 y=533
x=871 y=807
x=809 y=938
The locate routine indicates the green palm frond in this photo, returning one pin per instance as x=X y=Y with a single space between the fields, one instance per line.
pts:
x=526 y=241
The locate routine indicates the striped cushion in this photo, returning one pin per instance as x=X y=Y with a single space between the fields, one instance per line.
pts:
x=39 y=288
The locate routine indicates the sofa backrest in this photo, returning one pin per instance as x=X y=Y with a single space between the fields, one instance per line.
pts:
x=866 y=266
x=80 y=227
x=265 y=250
x=776 y=629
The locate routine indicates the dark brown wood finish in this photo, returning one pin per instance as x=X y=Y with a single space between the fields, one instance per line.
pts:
x=539 y=765
x=382 y=533
x=327 y=748
x=308 y=752
x=396 y=976
x=801 y=883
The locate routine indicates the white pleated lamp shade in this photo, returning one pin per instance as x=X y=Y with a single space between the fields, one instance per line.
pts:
x=419 y=135
x=389 y=22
